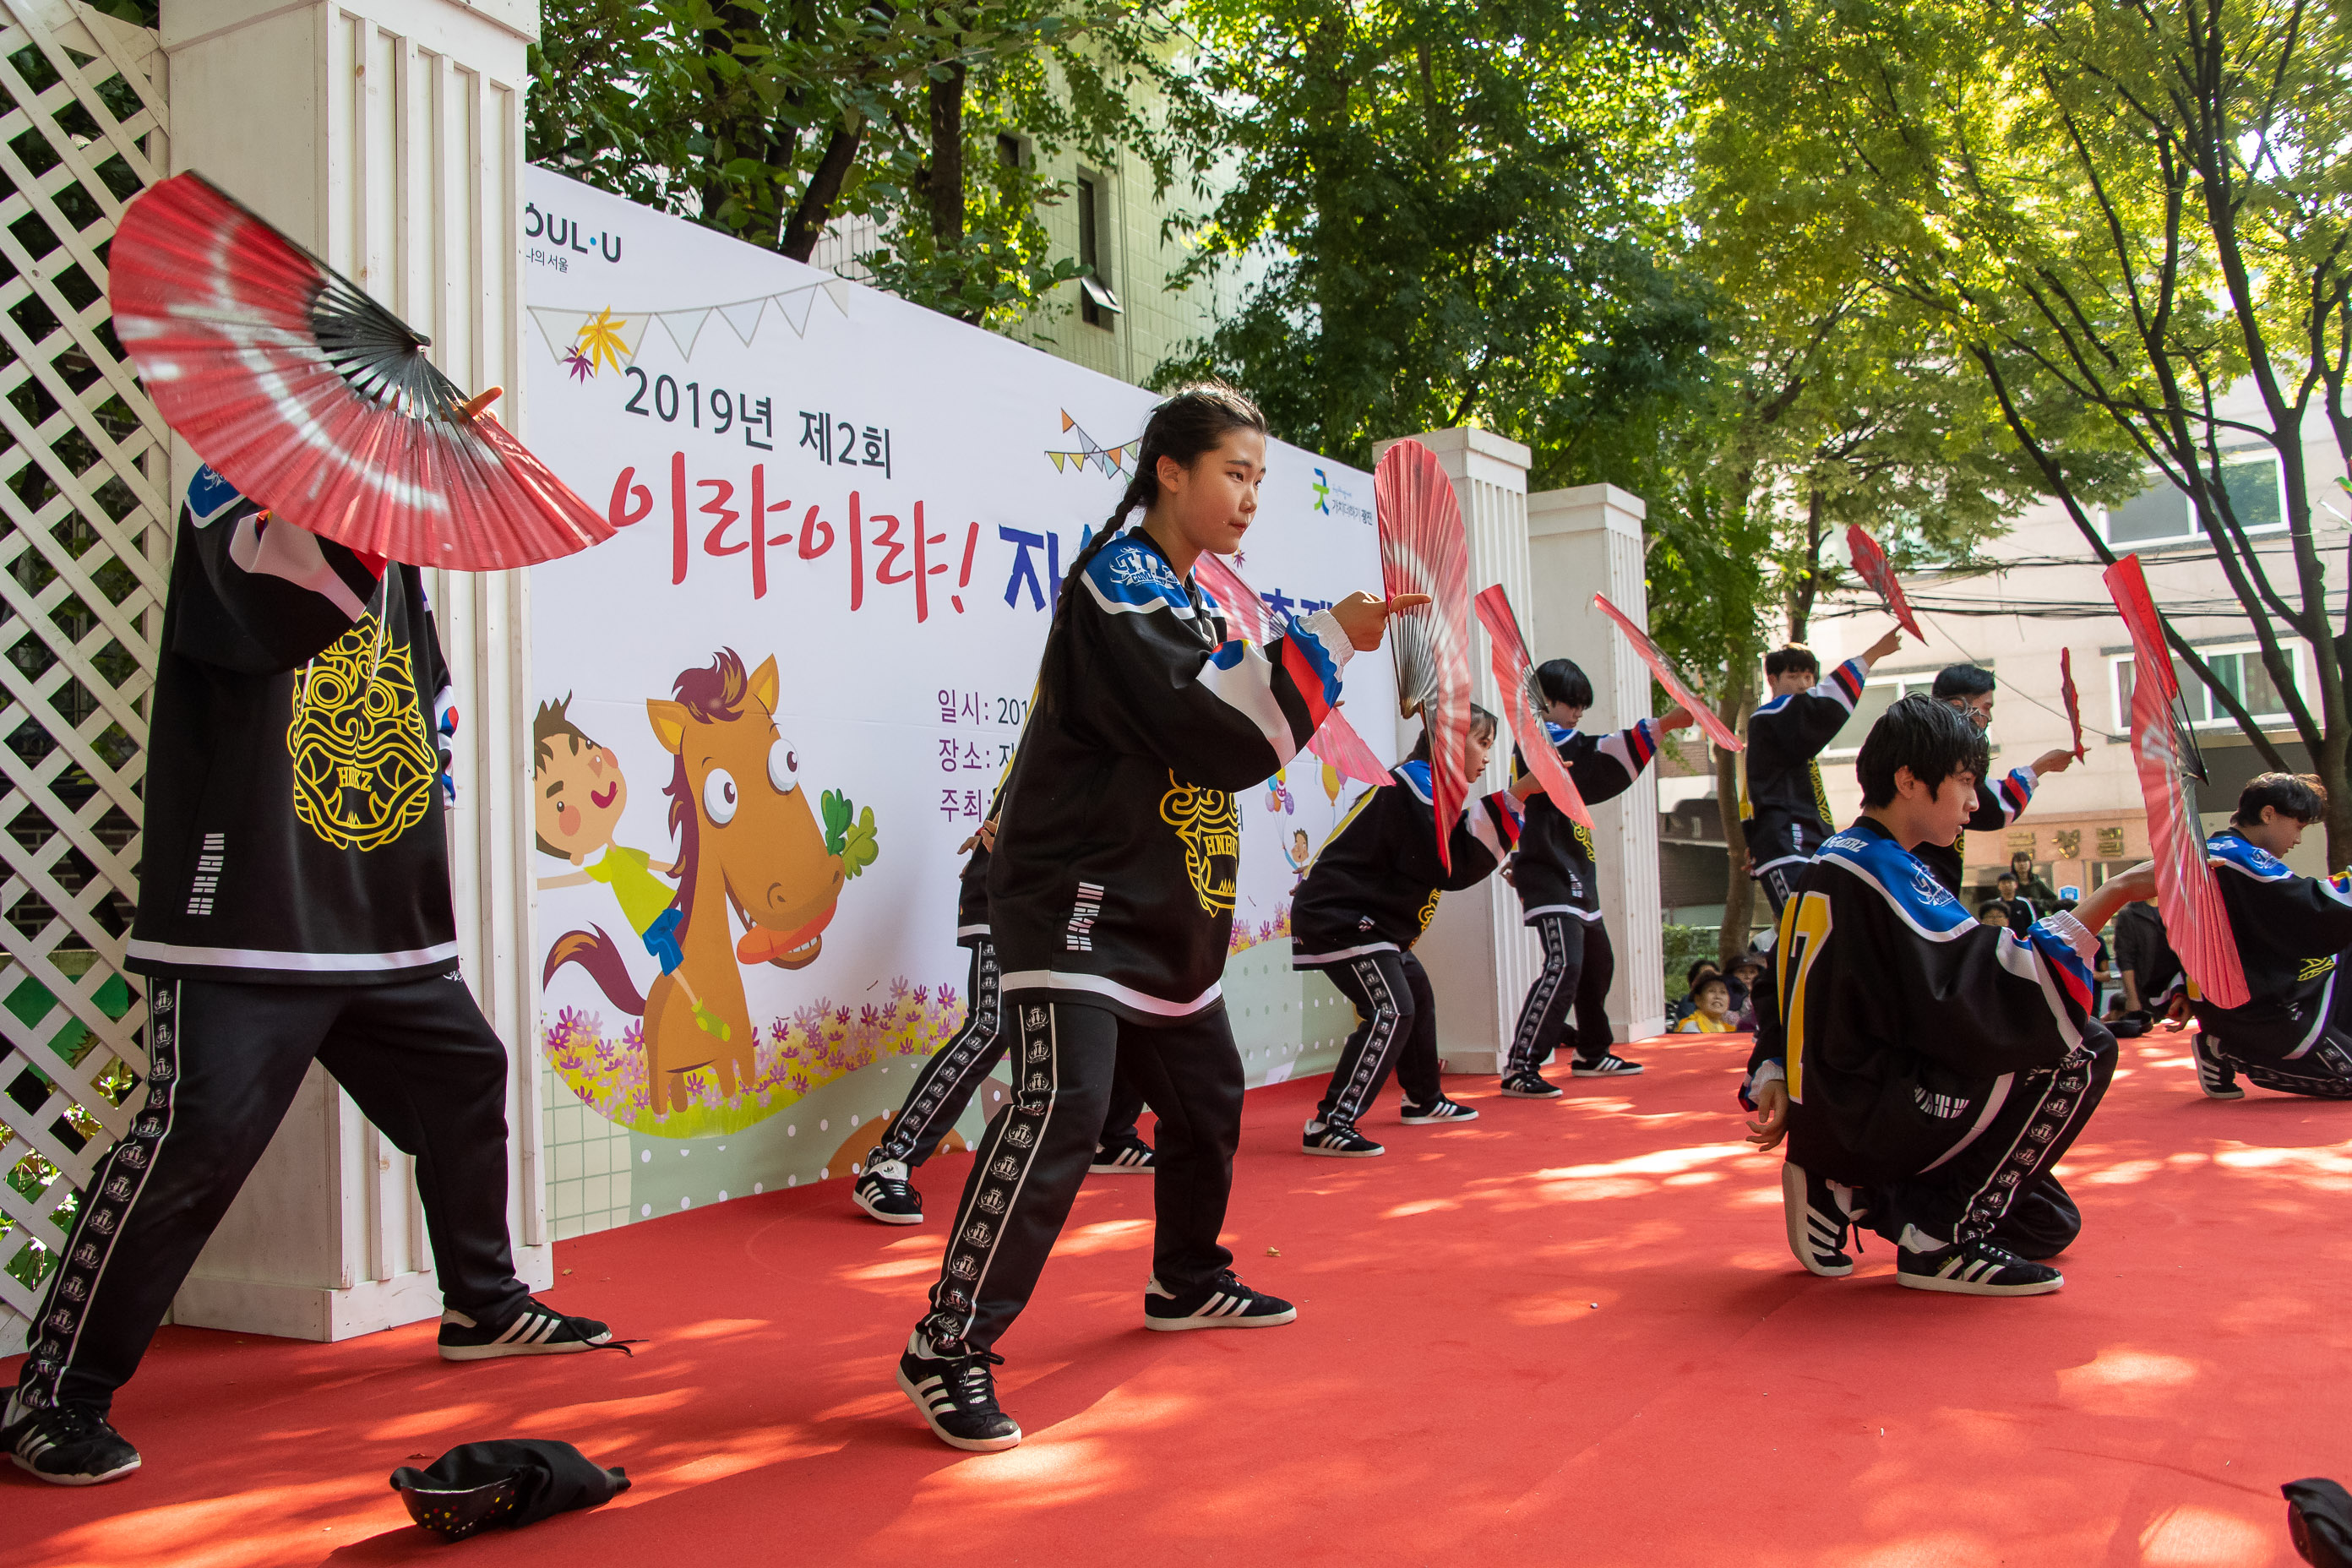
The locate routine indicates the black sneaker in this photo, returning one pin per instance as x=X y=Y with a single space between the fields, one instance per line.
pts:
x=1223 y=1302
x=1442 y=1110
x=956 y=1392
x=1130 y=1156
x=1969 y=1267
x=1817 y=1213
x=1611 y=1065
x=2215 y=1076
x=1340 y=1140
x=883 y=1192
x=536 y=1330
x=1530 y=1085
x=66 y=1445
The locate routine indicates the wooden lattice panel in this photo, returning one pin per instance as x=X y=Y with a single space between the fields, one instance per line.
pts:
x=85 y=539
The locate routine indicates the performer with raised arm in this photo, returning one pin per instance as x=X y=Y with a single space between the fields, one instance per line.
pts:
x=1559 y=894
x=1368 y=895
x=2294 y=1034
x=1967 y=689
x=293 y=906
x=1782 y=805
x=1936 y=1069
x=1111 y=892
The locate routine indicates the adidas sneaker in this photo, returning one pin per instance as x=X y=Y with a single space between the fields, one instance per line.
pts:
x=1441 y=1110
x=2215 y=1076
x=1817 y=1212
x=1340 y=1140
x=956 y=1392
x=1969 y=1267
x=1529 y=1083
x=1611 y=1065
x=1130 y=1156
x=66 y=1445
x=536 y=1330
x=883 y=1192
x=1223 y=1302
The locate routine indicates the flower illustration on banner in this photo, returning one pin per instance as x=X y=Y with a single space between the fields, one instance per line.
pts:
x=600 y=337
x=581 y=366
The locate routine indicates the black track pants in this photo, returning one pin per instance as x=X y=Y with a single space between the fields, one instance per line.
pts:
x=947 y=1083
x=1780 y=885
x=1396 y=1028
x=419 y=1058
x=2319 y=1066
x=1996 y=1181
x=1035 y=1155
x=1578 y=965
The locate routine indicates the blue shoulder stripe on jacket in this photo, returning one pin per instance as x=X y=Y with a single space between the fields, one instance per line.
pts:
x=1898 y=873
x=2239 y=854
x=1415 y=774
x=1130 y=573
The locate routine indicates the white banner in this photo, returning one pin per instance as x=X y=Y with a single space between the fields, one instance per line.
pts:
x=845 y=520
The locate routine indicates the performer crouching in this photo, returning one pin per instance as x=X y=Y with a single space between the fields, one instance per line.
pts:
x=1936 y=1069
x=1559 y=892
x=1368 y=895
x=1111 y=893
x=2294 y=1035
x=293 y=906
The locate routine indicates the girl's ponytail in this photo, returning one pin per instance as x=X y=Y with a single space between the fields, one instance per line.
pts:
x=1195 y=420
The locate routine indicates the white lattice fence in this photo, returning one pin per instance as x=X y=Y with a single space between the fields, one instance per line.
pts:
x=85 y=539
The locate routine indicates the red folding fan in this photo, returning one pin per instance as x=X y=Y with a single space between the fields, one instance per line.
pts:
x=1335 y=740
x=1423 y=550
x=1524 y=705
x=1870 y=561
x=2072 y=698
x=2186 y=893
x=317 y=402
x=1721 y=733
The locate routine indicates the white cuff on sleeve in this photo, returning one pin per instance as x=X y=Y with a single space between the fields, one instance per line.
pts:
x=1325 y=628
x=1772 y=1072
x=2061 y=924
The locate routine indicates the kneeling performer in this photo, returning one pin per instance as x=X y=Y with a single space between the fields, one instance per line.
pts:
x=1936 y=1069
x=2295 y=1034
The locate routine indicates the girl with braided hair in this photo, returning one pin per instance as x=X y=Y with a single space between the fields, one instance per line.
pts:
x=1110 y=893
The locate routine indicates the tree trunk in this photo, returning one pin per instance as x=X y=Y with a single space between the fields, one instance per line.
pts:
x=806 y=225
x=1739 y=891
x=1808 y=584
x=946 y=186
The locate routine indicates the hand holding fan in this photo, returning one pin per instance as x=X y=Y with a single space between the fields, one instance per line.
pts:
x=1870 y=561
x=1423 y=550
x=1523 y=703
x=2073 y=699
x=1677 y=687
x=1335 y=740
x=2185 y=891
x=317 y=402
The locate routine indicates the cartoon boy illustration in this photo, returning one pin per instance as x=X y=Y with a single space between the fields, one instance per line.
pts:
x=577 y=794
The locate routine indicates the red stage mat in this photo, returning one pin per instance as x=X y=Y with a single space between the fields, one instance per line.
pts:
x=1569 y=1333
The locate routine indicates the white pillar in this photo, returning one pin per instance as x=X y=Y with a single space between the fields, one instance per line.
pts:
x=1480 y=959
x=1581 y=541
x=387 y=136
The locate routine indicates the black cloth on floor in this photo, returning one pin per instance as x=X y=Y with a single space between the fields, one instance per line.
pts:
x=512 y=1482
x=2320 y=1518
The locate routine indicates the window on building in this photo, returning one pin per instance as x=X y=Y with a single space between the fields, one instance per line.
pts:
x=1877 y=697
x=2161 y=514
x=2239 y=666
x=1008 y=151
x=1097 y=306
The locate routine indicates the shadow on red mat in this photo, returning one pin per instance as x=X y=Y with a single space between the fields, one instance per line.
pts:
x=1568 y=1331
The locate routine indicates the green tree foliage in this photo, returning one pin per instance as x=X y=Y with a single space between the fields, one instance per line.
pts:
x=770 y=121
x=2132 y=221
x=1450 y=207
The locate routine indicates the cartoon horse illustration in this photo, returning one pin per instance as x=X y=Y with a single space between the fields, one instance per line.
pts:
x=749 y=842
